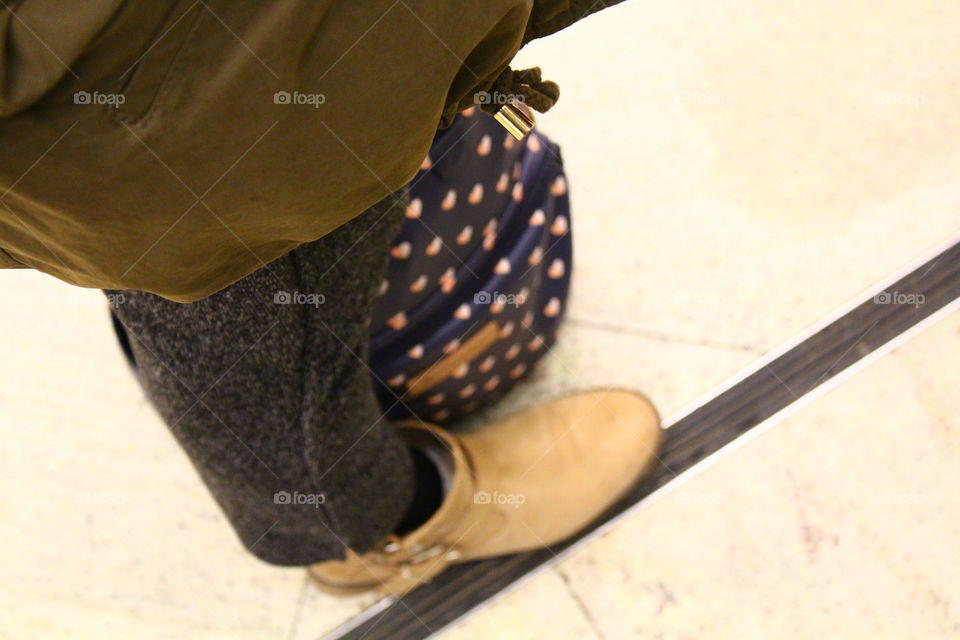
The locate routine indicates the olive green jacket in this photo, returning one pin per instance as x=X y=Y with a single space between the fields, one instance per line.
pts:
x=175 y=146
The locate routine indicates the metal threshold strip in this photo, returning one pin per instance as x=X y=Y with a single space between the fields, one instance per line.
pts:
x=807 y=363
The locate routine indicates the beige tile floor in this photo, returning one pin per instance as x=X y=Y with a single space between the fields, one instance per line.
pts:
x=738 y=171
x=841 y=521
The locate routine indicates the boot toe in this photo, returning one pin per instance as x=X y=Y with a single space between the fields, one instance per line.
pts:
x=556 y=467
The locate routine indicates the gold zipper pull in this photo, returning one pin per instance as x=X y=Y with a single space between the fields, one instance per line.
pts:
x=515 y=119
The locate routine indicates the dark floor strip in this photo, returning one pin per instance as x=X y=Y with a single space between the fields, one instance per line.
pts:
x=694 y=437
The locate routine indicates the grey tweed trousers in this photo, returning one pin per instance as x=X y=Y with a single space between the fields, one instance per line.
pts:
x=264 y=384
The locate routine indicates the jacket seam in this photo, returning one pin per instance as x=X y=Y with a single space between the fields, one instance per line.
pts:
x=5 y=255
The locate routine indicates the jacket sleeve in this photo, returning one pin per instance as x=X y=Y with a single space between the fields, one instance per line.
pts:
x=39 y=41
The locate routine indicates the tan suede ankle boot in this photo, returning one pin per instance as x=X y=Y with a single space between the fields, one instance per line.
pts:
x=528 y=481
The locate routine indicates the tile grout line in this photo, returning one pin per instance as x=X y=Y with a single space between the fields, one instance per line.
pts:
x=599 y=325
x=581 y=605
